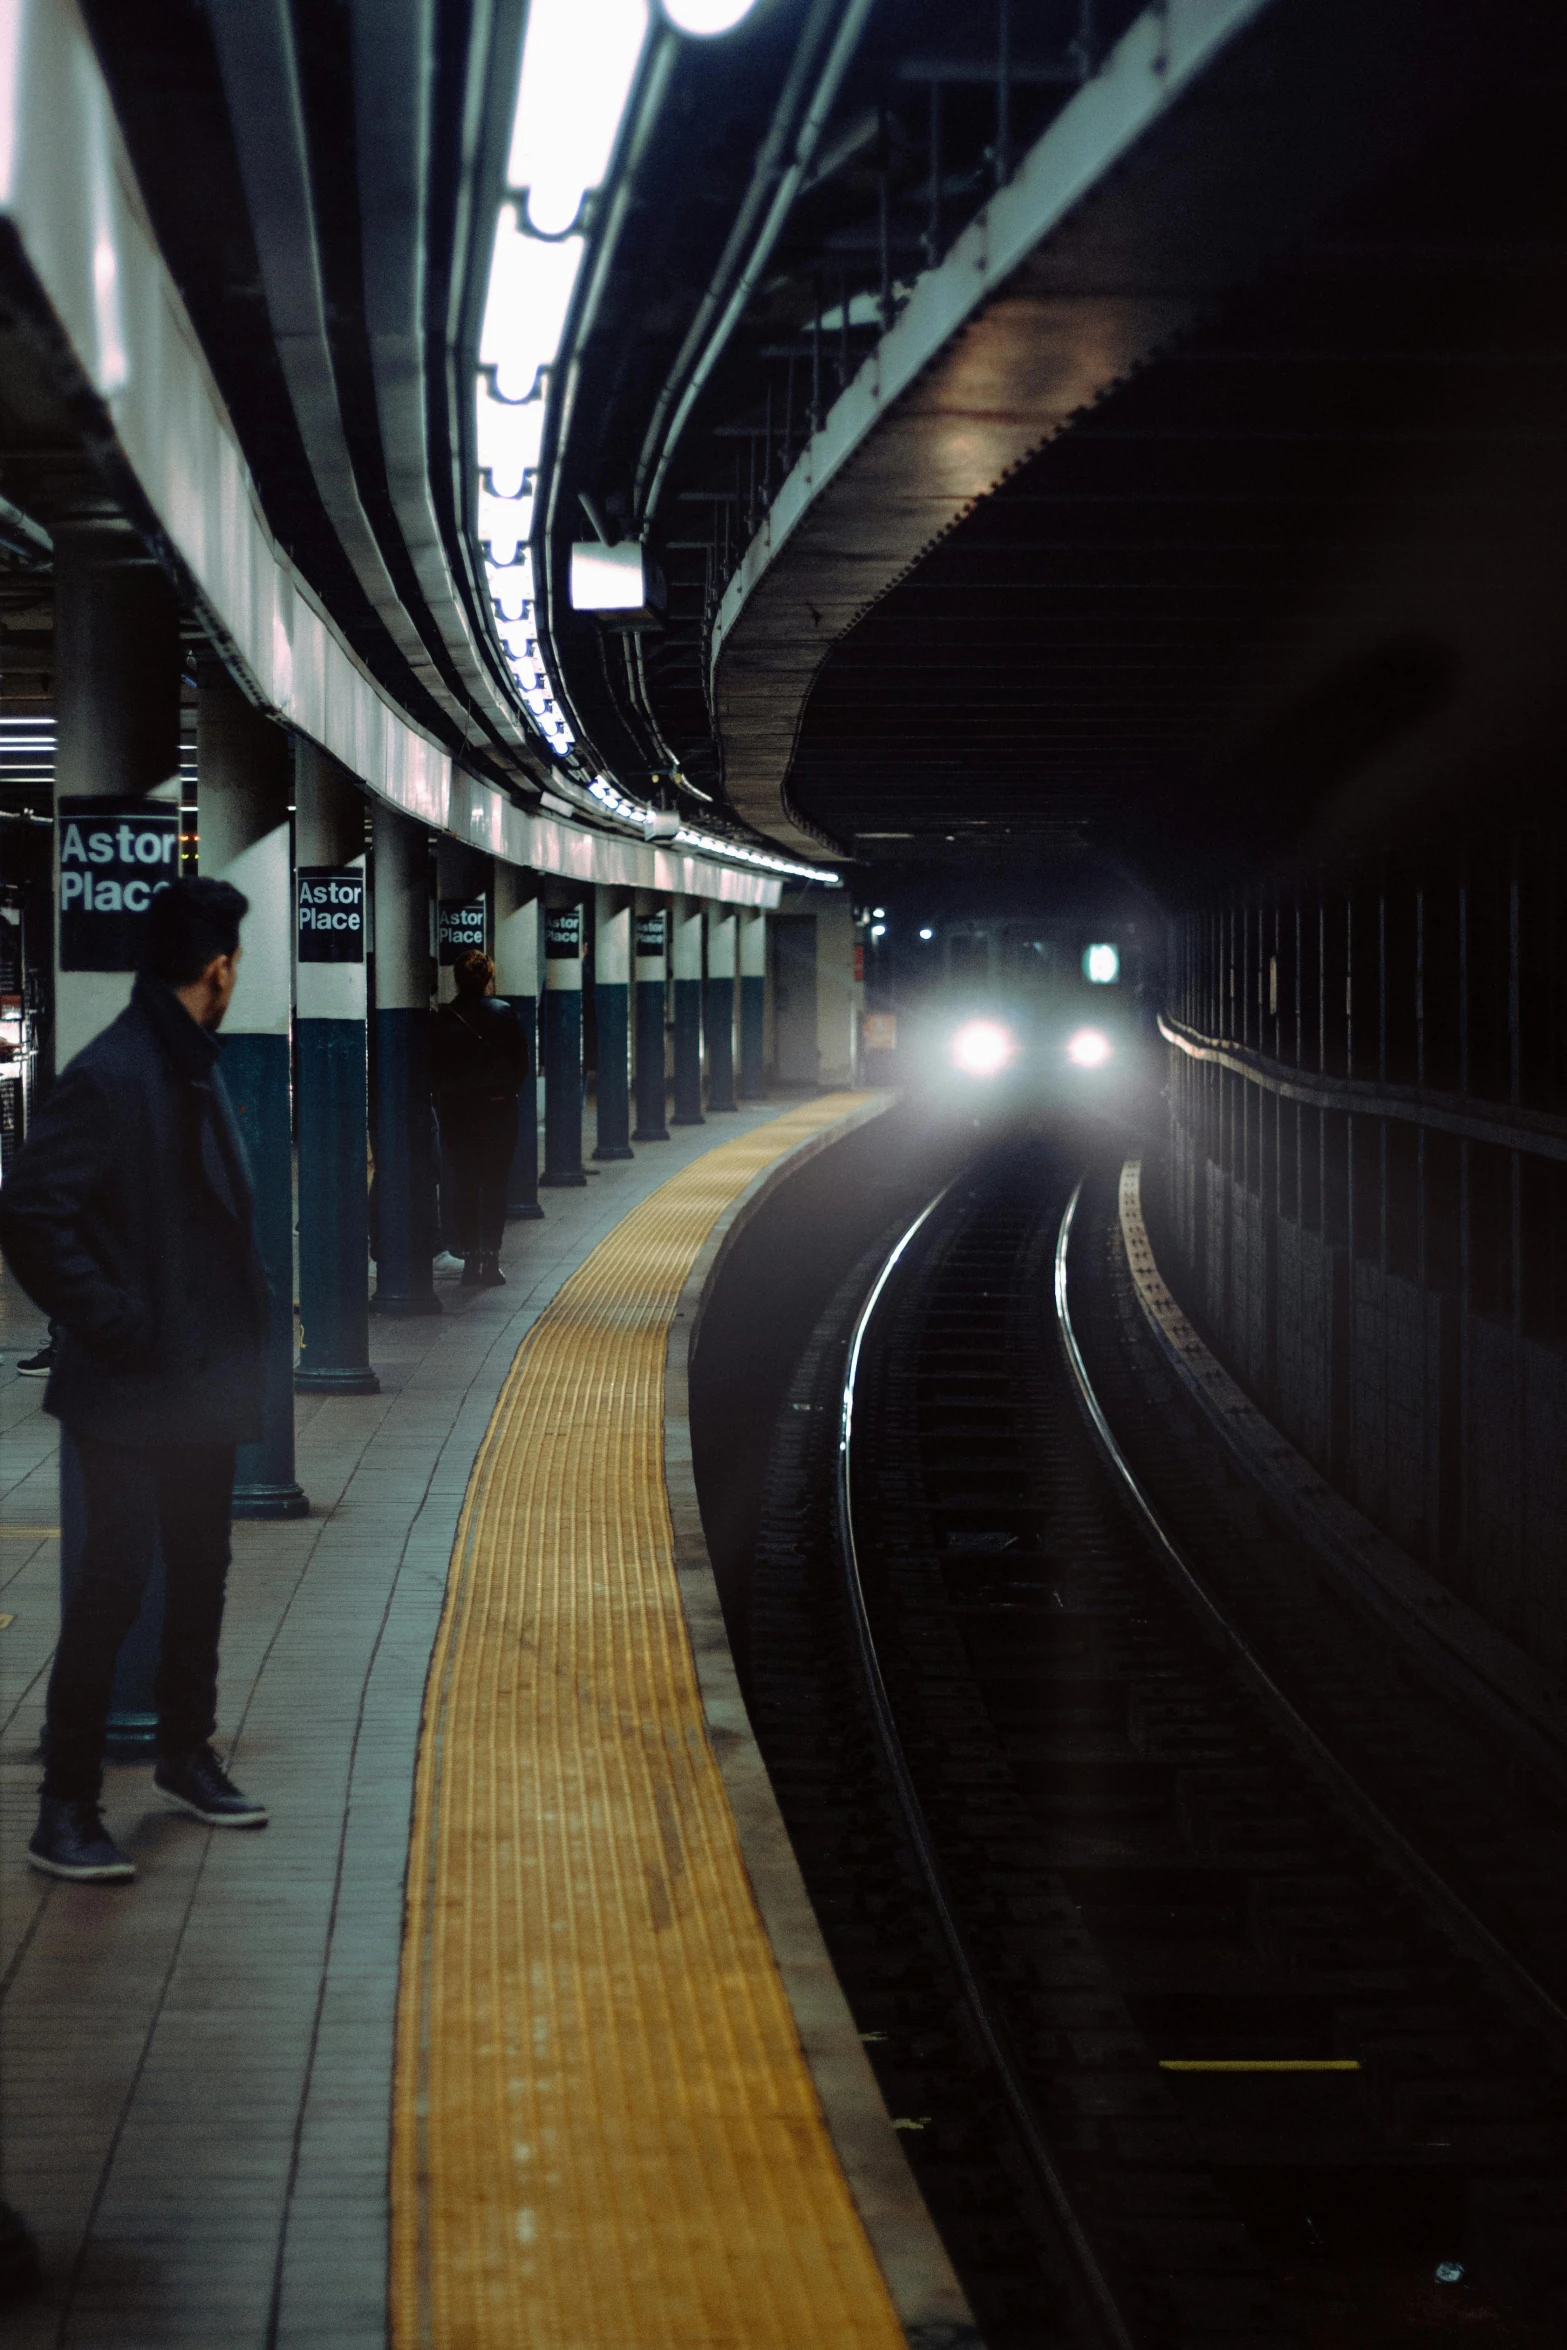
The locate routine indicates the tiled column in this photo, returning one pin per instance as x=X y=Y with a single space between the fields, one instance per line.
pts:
x=687 y=960
x=117 y=738
x=612 y=1005
x=517 y=950
x=719 y=1009
x=651 y=939
x=404 y=1140
x=753 y=1005
x=244 y=779
x=334 y=1137
x=562 y=1041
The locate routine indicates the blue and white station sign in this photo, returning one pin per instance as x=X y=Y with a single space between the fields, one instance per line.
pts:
x=115 y=855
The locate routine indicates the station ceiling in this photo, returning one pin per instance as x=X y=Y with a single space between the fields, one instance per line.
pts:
x=1286 y=587
x=1287 y=583
x=1295 y=587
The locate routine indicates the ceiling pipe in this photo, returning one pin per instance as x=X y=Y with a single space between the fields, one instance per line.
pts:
x=768 y=203
x=259 y=65
x=393 y=51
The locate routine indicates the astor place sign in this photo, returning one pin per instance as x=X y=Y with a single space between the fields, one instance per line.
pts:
x=115 y=855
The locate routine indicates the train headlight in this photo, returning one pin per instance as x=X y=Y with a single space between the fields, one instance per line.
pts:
x=983 y=1047
x=1089 y=1048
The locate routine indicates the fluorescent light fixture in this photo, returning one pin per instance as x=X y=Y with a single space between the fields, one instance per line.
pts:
x=530 y=290
x=608 y=579
x=1089 y=1048
x=878 y=930
x=578 y=62
x=508 y=440
x=689 y=838
x=704 y=18
x=1101 y=964
x=505 y=525
x=511 y=584
x=927 y=934
x=878 y=913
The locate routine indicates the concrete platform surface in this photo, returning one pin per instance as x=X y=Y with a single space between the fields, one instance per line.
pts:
x=196 y=2070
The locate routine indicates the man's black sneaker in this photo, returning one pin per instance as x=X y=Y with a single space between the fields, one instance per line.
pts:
x=199 y=1784
x=36 y=1366
x=490 y=1274
x=71 y=1841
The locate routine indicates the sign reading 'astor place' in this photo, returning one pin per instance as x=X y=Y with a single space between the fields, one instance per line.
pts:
x=460 y=925
x=331 y=914
x=562 y=934
x=115 y=855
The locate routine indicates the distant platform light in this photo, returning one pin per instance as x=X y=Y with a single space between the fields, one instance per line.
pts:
x=878 y=913
x=704 y=18
x=927 y=934
x=1089 y=1048
x=1101 y=964
x=982 y=1047
x=878 y=930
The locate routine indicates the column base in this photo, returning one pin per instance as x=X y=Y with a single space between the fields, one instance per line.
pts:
x=131 y=1737
x=722 y=1109
x=336 y=1383
x=404 y=1309
x=760 y=1095
x=269 y=1501
x=650 y=1134
x=677 y=1120
x=614 y=1150
x=572 y=1182
x=529 y=1213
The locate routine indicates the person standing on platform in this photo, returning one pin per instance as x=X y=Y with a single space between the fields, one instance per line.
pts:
x=128 y=1219
x=478 y=1061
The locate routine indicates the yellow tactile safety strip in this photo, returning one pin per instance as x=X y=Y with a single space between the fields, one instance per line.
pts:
x=605 y=2136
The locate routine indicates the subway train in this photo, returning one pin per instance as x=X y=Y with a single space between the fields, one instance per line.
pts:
x=1009 y=1009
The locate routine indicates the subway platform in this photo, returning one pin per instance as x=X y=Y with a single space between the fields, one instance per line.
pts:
x=516 y=2032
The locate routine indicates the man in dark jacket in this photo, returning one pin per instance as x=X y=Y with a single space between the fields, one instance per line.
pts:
x=478 y=1060
x=127 y=1218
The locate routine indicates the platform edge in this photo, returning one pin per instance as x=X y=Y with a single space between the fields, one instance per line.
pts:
x=930 y=2303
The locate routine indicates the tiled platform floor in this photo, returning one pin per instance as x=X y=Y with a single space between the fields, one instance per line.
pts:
x=195 y=2070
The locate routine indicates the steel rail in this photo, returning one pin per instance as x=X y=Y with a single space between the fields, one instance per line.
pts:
x=991 y=2030
x=1428 y=1886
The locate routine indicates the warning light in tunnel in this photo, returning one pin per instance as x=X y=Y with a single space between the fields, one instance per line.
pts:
x=1089 y=1048
x=982 y=1047
x=1101 y=964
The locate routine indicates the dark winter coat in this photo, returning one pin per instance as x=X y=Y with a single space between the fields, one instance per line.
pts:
x=128 y=1219
x=478 y=1049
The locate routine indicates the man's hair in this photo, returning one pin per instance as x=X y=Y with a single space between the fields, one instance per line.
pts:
x=188 y=925
x=472 y=971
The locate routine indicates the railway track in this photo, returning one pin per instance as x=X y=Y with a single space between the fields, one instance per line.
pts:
x=1192 y=2044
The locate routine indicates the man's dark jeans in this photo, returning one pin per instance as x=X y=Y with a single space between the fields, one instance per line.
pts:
x=187 y=1490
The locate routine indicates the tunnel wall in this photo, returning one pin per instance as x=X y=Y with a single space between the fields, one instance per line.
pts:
x=1363 y=1202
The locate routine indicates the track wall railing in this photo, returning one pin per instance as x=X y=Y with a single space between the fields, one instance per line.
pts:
x=1365 y=1199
